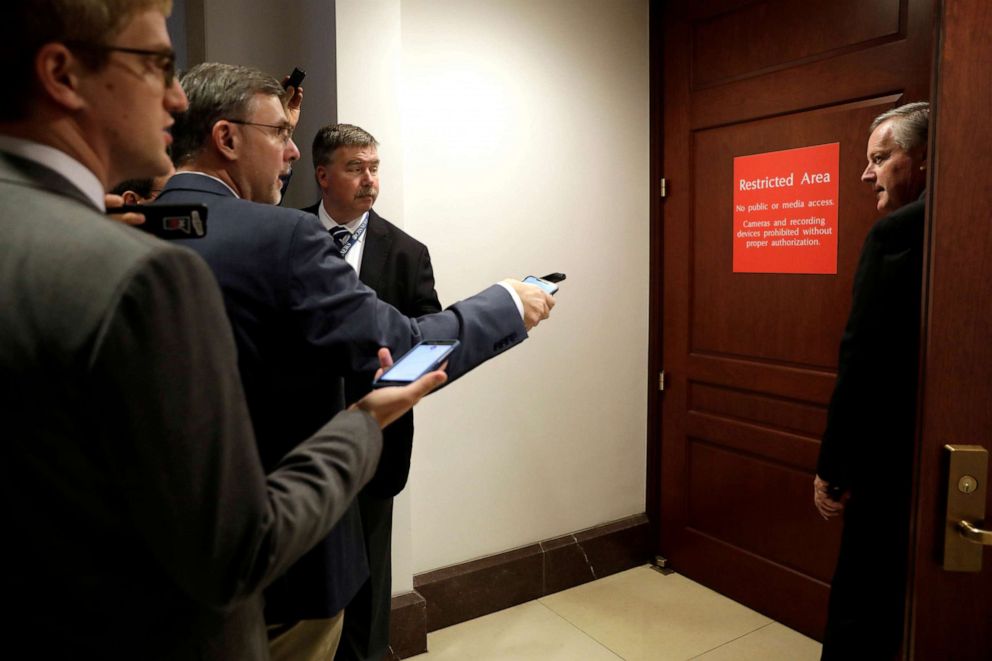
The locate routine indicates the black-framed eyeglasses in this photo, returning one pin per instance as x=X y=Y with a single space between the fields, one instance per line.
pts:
x=164 y=60
x=283 y=131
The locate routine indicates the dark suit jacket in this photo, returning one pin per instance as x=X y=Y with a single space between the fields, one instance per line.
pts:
x=868 y=442
x=300 y=317
x=398 y=268
x=138 y=520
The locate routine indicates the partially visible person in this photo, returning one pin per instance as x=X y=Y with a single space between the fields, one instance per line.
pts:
x=300 y=316
x=138 y=521
x=398 y=268
x=134 y=192
x=142 y=191
x=864 y=470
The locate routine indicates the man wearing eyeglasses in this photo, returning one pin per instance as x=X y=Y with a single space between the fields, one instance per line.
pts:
x=138 y=521
x=302 y=318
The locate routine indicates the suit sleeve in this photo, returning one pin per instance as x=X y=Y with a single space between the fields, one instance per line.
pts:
x=850 y=401
x=346 y=323
x=179 y=442
x=871 y=419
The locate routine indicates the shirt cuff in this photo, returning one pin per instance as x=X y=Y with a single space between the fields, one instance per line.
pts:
x=515 y=297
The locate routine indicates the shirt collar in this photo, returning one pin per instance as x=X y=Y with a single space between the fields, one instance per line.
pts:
x=328 y=222
x=54 y=159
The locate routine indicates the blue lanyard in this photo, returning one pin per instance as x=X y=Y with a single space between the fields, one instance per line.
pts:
x=355 y=237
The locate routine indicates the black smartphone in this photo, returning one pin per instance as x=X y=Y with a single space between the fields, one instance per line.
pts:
x=295 y=78
x=553 y=277
x=543 y=283
x=424 y=357
x=169 y=221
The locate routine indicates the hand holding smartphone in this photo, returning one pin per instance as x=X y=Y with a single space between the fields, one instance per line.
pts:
x=424 y=357
x=295 y=78
x=169 y=221
x=547 y=283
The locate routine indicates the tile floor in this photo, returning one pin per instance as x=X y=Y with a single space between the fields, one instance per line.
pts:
x=637 y=615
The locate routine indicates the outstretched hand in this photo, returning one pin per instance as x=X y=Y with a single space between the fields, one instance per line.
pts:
x=385 y=405
x=537 y=302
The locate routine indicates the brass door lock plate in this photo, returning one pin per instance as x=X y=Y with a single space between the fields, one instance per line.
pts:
x=964 y=537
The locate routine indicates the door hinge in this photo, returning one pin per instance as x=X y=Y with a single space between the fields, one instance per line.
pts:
x=661 y=380
x=663 y=188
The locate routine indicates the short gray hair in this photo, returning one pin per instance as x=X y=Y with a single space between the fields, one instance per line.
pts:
x=215 y=92
x=910 y=125
x=333 y=136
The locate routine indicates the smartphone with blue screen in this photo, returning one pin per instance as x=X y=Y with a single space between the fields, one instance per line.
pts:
x=543 y=283
x=424 y=357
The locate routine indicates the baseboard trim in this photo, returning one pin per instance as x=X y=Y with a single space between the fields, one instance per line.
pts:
x=465 y=591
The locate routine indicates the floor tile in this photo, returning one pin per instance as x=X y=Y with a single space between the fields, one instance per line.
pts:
x=528 y=632
x=774 y=642
x=643 y=615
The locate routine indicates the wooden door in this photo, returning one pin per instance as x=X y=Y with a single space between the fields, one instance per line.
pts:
x=951 y=613
x=751 y=358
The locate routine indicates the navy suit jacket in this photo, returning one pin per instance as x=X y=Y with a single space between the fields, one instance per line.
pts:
x=398 y=268
x=300 y=317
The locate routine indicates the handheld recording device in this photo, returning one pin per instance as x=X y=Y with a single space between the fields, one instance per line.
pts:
x=169 y=221
x=547 y=283
x=424 y=357
x=295 y=78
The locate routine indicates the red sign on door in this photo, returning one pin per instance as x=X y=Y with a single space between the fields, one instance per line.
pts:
x=785 y=211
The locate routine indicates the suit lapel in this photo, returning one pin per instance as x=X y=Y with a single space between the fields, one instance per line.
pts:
x=378 y=244
x=26 y=172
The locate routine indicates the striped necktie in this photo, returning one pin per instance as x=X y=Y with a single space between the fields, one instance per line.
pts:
x=340 y=235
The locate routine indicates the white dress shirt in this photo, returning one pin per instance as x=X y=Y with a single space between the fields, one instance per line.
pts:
x=354 y=256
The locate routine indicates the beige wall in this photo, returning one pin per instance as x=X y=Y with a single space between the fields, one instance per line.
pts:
x=515 y=141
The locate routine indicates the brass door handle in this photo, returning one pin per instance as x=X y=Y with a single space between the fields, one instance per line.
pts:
x=974 y=534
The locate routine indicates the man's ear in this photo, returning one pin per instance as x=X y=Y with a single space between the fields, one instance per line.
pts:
x=58 y=74
x=226 y=140
x=321 y=175
x=130 y=197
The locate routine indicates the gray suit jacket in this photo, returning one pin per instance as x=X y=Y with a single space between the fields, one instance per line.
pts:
x=138 y=520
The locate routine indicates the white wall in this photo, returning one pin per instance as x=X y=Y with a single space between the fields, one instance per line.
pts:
x=515 y=141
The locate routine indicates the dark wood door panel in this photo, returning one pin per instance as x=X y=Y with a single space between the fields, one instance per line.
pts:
x=781 y=413
x=763 y=523
x=751 y=358
x=724 y=50
x=785 y=595
x=951 y=612
x=900 y=64
x=800 y=383
x=783 y=447
x=797 y=318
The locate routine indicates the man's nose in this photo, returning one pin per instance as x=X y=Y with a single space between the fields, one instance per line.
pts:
x=294 y=151
x=175 y=98
x=868 y=175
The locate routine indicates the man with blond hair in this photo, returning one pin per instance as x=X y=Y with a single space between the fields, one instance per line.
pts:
x=139 y=522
